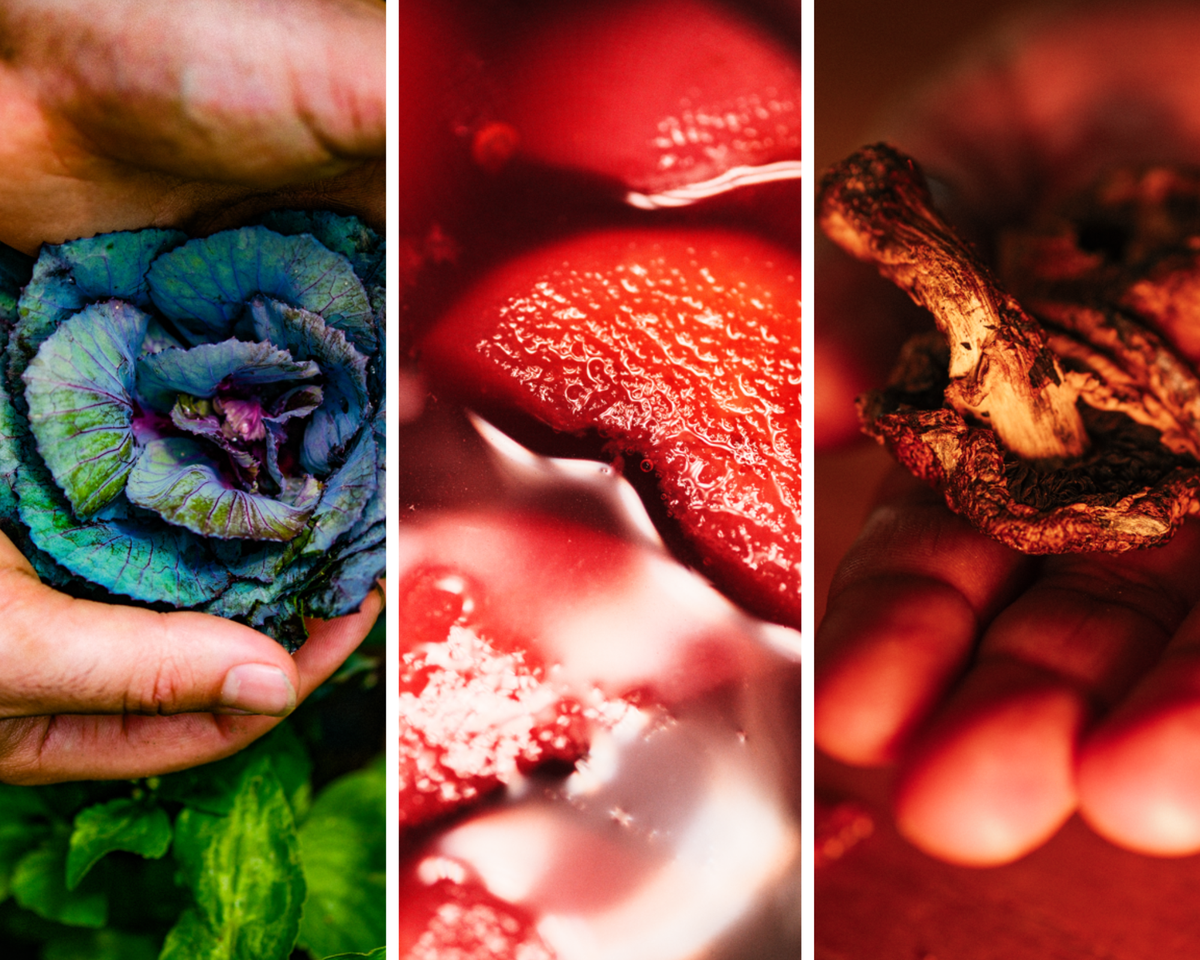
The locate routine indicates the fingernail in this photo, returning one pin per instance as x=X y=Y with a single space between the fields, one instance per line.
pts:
x=258 y=688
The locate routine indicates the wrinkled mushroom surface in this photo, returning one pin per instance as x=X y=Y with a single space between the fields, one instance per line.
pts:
x=1068 y=421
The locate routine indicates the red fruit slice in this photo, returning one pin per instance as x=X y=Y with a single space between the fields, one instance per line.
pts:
x=448 y=920
x=522 y=635
x=681 y=346
x=476 y=707
x=654 y=94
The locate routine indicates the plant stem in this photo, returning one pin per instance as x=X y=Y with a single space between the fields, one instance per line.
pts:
x=876 y=205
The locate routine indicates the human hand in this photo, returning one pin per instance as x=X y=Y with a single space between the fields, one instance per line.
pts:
x=1013 y=691
x=130 y=115
x=186 y=113
x=93 y=690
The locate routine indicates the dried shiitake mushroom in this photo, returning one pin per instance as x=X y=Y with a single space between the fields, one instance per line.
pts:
x=1075 y=431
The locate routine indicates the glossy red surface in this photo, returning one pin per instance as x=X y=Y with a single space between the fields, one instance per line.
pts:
x=600 y=749
x=652 y=94
x=683 y=347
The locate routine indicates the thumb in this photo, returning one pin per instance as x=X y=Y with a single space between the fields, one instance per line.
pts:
x=63 y=655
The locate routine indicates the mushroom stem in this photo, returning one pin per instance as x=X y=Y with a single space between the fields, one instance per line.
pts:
x=877 y=206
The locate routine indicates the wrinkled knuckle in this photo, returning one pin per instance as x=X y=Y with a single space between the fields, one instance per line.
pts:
x=22 y=748
x=163 y=686
x=159 y=691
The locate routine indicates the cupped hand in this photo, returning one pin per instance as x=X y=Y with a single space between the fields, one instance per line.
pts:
x=1013 y=691
x=197 y=114
x=186 y=113
x=94 y=690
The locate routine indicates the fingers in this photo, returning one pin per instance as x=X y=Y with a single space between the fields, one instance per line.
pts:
x=1139 y=773
x=259 y=94
x=51 y=749
x=993 y=774
x=64 y=655
x=986 y=709
x=330 y=642
x=204 y=208
x=41 y=750
x=130 y=114
x=906 y=608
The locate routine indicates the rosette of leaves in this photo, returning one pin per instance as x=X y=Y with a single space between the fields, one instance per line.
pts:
x=199 y=423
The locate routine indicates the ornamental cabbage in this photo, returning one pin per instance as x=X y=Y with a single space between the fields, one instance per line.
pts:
x=199 y=424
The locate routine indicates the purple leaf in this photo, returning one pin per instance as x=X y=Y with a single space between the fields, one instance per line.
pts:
x=179 y=481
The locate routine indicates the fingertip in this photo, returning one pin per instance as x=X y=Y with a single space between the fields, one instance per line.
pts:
x=330 y=642
x=995 y=780
x=1139 y=777
x=257 y=688
x=889 y=650
x=205 y=663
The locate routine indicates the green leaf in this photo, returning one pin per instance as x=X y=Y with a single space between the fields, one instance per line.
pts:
x=130 y=825
x=101 y=945
x=80 y=393
x=24 y=823
x=380 y=953
x=345 y=397
x=202 y=370
x=342 y=844
x=143 y=895
x=214 y=787
x=138 y=556
x=204 y=284
x=39 y=884
x=181 y=480
x=244 y=871
x=191 y=939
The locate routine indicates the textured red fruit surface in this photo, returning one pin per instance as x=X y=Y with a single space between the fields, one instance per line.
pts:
x=521 y=635
x=448 y=920
x=683 y=347
x=476 y=706
x=653 y=94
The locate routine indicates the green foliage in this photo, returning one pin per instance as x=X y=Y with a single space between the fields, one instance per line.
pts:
x=215 y=787
x=122 y=824
x=236 y=860
x=244 y=869
x=24 y=818
x=101 y=945
x=342 y=843
x=39 y=883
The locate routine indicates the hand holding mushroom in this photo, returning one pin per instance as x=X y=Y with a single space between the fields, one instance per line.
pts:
x=1013 y=691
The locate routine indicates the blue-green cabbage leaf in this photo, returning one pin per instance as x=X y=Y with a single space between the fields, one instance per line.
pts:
x=199 y=423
